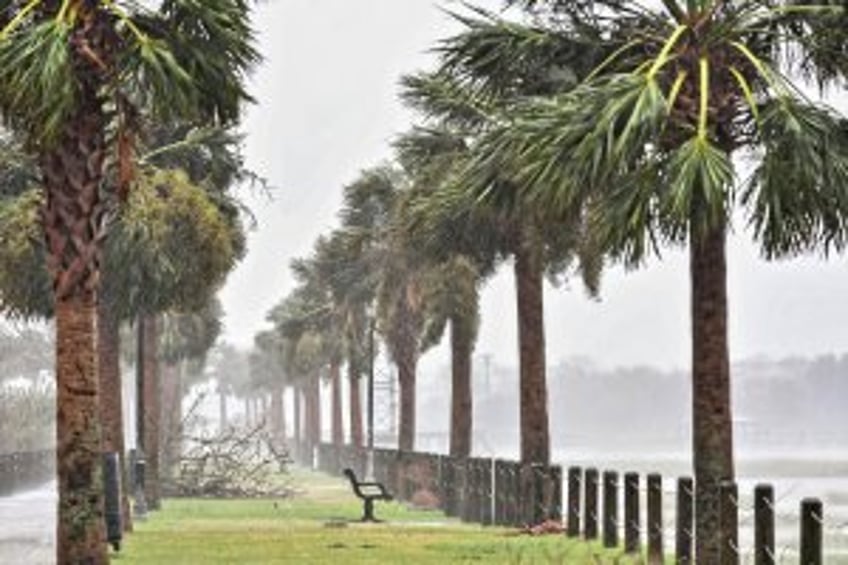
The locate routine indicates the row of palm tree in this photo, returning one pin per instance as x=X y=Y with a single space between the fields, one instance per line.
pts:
x=578 y=134
x=79 y=80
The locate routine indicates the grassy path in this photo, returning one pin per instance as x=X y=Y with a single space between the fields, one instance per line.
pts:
x=312 y=528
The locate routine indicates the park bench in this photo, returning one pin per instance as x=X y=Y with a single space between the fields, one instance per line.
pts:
x=368 y=492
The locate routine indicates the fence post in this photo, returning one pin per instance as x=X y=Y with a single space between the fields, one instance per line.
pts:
x=449 y=487
x=610 y=509
x=573 y=526
x=655 y=522
x=527 y=502
x=631 y=512
x=500 y=491
x=512 y=484
x=469 y=489
x=764 y=525
x=685 y=520
x=812 y=517
x=486 y=486
x=538 y=511
x=554 y=480
x=112 y=490
x=729 y=522
x=590 y=504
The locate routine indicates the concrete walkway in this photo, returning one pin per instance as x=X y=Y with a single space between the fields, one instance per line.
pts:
x=28 y=527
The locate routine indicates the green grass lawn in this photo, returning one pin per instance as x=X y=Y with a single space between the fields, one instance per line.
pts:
x=306 y=529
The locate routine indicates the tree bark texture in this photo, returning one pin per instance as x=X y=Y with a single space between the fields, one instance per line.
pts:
x=277 y=418
x=314 y=410
x=711 y=406
x=336 y=392
x=296 y=394
x=461 y=393
x=111 y=399
x=406 y=359
x=356 y=438
x=535 y=446
x=80 y=526
x=152 y=411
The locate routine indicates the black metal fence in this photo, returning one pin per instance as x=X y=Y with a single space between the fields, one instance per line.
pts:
x=508 y=493
x=26 y=470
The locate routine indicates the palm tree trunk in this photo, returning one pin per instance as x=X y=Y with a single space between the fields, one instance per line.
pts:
x=355 y=406
x=406 y=359
x=461 y=393
x=283 y=426
x=296 y=401
x=535 y=446
x=336 y=383
x=278 y=430
x=111 y=400
x=406 y=378
x=172 y=415
x=72 y=220
x=315 y=410
x=152 y=411
x=80 y=526
x=711 y=409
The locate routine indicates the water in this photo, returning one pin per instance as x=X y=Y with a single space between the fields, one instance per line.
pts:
x=794 y=476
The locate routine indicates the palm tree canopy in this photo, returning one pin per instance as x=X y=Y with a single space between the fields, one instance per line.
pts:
x=652 y=134
x=266 y=360
x=190 y=335
x=184 y=59
x=487 y=71
x=229 y=366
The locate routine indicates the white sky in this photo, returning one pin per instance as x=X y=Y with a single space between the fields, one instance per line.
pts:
x=328 y=108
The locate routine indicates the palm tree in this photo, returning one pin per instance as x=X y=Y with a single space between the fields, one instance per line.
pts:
x=341 y=264
x=185 y=340
x=140 y=270
x=300 y=320
x=460 y=255
x=170 y=247
x=71 y=73
x=229 y=366
x=357 y=250
x=486 y=71
x=322 y=274
x=266 y=368
x=652 y=137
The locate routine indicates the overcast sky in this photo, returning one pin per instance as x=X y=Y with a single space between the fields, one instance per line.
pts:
x=328 y=108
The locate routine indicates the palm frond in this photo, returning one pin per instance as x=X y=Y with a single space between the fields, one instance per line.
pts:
x=37 y=86
x=798 y=195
